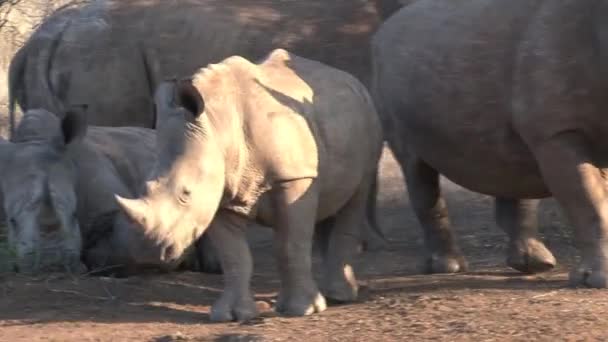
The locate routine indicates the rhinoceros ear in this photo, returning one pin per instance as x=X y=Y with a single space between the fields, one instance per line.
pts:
x=189 y=97
x=74 y=124
x=164 y=100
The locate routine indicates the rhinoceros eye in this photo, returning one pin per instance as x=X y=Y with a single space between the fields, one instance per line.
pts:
x=184 y=195
x=13 y=222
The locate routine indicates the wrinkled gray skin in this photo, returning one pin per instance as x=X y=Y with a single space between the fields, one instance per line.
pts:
x=514 y=107
x=289 y=143
x=57 y=175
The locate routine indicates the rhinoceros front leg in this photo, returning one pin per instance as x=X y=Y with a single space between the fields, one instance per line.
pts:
x=295 y=205
x=227 y=234
x=566 y=165
x=519 y=219
x=430 y=208
x=206 y=255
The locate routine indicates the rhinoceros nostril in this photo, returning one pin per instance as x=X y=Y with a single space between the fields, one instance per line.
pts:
x=50 y=229
x=168 y=253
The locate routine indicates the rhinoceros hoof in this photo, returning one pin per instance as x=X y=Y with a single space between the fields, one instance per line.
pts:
x=584 y=275
x=446 y=263
x=300 y=304
x=340 y=291
x=530 y=256
x=228 y=309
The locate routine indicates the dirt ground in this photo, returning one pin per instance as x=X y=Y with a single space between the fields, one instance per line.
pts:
x=489 y=303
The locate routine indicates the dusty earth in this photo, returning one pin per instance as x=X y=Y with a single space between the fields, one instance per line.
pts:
x=490 y=303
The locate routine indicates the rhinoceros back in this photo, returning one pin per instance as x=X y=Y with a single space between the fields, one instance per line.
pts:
x=444 y=79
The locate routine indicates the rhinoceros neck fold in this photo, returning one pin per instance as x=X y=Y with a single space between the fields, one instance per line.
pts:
x=243 y=176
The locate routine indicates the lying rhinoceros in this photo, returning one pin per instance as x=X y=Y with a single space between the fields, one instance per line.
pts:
x=288 y=142
x=57 y=176
x=506 y=98
x=119 y=47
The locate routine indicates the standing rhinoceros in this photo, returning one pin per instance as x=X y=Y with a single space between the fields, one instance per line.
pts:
x=506 y=98
x=109 y=54
x=57 y=175
x=288 y=142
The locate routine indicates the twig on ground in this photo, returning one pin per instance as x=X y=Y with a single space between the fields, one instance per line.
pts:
x=551 y=293
x=100 y=269
x=76 y=293
x=105 y=288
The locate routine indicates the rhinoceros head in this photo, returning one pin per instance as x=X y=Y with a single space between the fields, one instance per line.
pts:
x=38 y=186
x=184 y=190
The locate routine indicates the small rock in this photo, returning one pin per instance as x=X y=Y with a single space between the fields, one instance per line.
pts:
x=263 y=306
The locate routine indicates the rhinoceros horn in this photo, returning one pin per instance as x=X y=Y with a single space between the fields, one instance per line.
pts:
x=135 y=209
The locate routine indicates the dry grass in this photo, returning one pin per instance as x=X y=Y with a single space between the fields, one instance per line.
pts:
x=18 y=22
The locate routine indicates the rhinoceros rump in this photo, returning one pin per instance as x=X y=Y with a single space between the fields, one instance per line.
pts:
x=507 y=99
x=288 y=142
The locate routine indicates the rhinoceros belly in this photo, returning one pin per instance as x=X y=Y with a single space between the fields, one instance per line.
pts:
x=479 y=152
x=342 y=171
x=335 y=188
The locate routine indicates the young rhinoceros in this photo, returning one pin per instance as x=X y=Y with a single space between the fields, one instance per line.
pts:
x=57 y=174
x=288 y=142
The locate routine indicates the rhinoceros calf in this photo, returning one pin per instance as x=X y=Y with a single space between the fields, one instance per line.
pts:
x=58 y=175
x=131 y=45
x=288 y=142
x=507 y=99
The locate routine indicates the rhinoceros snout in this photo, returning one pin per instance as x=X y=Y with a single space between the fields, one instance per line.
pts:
x=44 y=262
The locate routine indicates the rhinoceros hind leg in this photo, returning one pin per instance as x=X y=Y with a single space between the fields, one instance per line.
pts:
x=519 y=219
x=566 y=164
x=424 y=190
x=343 y=238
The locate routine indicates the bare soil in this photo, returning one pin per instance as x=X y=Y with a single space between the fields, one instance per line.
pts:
x=489 y=303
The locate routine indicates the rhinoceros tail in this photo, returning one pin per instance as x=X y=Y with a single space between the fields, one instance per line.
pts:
x=44 y=68
x=151 y=72
x=375 y=238
x=16 y=71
